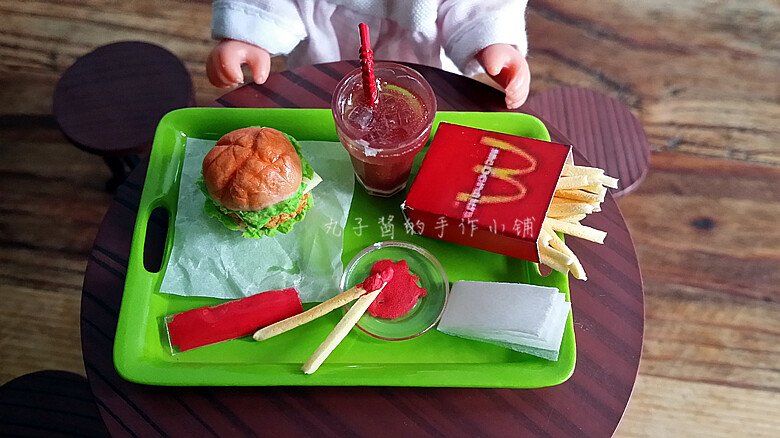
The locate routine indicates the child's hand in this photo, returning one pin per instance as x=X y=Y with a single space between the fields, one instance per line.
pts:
x=223 y=66
x=509 y=68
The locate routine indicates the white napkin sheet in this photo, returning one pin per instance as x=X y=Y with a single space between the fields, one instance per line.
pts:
x=522 y=317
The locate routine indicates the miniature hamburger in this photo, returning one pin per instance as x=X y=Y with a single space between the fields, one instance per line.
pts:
x=257 y=181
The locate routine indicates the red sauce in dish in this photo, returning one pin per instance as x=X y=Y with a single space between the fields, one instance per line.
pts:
x=377 y=280
x=400 y=294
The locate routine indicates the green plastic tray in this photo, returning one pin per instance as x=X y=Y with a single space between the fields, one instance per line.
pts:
x=141 y=351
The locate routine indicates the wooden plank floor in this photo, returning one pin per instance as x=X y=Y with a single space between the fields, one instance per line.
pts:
x=701 y=76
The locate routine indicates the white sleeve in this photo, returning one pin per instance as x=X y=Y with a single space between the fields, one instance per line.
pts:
x=468 y=26
x=274 y=25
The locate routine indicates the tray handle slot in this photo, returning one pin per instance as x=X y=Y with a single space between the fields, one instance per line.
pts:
x=156 y=238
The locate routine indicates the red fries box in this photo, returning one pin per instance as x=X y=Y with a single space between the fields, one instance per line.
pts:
x=485 y=189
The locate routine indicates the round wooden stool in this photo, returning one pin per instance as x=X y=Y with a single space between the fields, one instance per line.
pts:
x=49 y=403
x=601 y=128
x=120 y=92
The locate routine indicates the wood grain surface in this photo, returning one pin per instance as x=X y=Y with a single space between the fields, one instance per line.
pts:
x=700 y=76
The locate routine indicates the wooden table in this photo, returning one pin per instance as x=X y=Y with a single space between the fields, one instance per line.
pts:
x=608 y=317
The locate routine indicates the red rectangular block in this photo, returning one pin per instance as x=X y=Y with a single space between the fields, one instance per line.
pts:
x=232 y=319
x=485 y=189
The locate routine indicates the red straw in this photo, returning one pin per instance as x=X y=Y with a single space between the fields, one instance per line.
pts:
x=367 y=64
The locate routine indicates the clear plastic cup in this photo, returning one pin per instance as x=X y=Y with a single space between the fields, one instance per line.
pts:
x=383 y=140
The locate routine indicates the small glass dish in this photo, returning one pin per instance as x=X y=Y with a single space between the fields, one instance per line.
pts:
x=429 y=308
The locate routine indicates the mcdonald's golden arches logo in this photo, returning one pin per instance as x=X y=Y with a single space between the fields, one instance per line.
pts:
x=487 y=170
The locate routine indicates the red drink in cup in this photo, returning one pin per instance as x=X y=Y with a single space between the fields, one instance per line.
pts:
x=383 y=139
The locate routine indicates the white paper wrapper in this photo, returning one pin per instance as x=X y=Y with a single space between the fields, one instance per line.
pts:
x=209 y=260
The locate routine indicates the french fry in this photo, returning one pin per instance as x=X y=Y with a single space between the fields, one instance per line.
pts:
x=544 y=238
x=563 y=210
x=556 y=242
x=576 y=230
x=546 y=260
x=580 y=191
x=339 y=332
x=578 y=195
x=545 y=235
x=548 y=238
x=572 y=182
x=309 y=315
x=577 y=271
x=595 y=188
x=572 y=170
x=561 y=201
x=575 y=218
x=608 y=181
x=550 y=253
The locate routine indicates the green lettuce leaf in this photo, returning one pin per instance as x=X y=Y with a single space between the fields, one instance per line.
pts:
x=306 y=170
